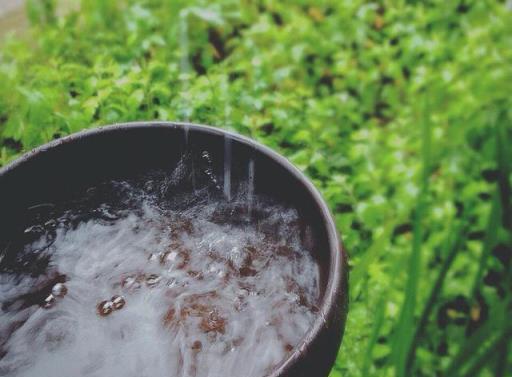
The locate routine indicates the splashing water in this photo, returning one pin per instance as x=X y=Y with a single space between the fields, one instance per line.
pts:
x=140 y=287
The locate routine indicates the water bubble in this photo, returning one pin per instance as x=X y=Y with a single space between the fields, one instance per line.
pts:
x=38 y=229
x=195 y=274
x=222 y=274
x=152 y=280
x=169 y=317
x=154 y=257
x=172 y=282
x=131 y=283
x=213 y=322
x=176 y=259
x=49 y=302
x=59 y=290
x=118 y=302
x=197 y=346
x=104 y=308
x=149 y=186
x=239 y=304
x=50 y=224
x=169 y=257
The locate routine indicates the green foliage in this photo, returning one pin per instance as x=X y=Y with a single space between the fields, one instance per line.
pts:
x=399 y=111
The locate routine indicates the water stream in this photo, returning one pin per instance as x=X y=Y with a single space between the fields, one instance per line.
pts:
x=227 y=168
x=185 y=69
x=186 y=113
x=250 y=186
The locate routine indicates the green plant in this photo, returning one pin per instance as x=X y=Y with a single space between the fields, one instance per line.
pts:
x=399 y=111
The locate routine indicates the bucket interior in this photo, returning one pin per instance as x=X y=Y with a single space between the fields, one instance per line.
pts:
x=56 y=174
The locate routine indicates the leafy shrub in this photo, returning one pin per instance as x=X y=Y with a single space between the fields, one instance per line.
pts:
x=400 y=112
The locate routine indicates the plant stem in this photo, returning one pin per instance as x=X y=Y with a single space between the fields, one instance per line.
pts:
x=453 y=248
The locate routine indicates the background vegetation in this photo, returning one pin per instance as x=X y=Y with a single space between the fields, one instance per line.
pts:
x=399 y=111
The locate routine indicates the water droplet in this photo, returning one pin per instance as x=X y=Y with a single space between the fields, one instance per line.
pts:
x=209 y=169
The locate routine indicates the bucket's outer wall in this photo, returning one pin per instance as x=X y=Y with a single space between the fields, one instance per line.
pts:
x=53 y=172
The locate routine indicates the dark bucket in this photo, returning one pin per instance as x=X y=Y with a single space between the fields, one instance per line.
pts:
x=52 y=172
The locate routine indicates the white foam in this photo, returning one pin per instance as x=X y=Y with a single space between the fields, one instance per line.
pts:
x=225 y=299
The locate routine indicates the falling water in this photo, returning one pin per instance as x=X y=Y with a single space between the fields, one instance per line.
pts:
x=227 y=104
x=185 y=70
x=227 y=168
x=208 y=169
x=250 y=186
x=188 y=152
x=186 y=129
x=185 y=64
